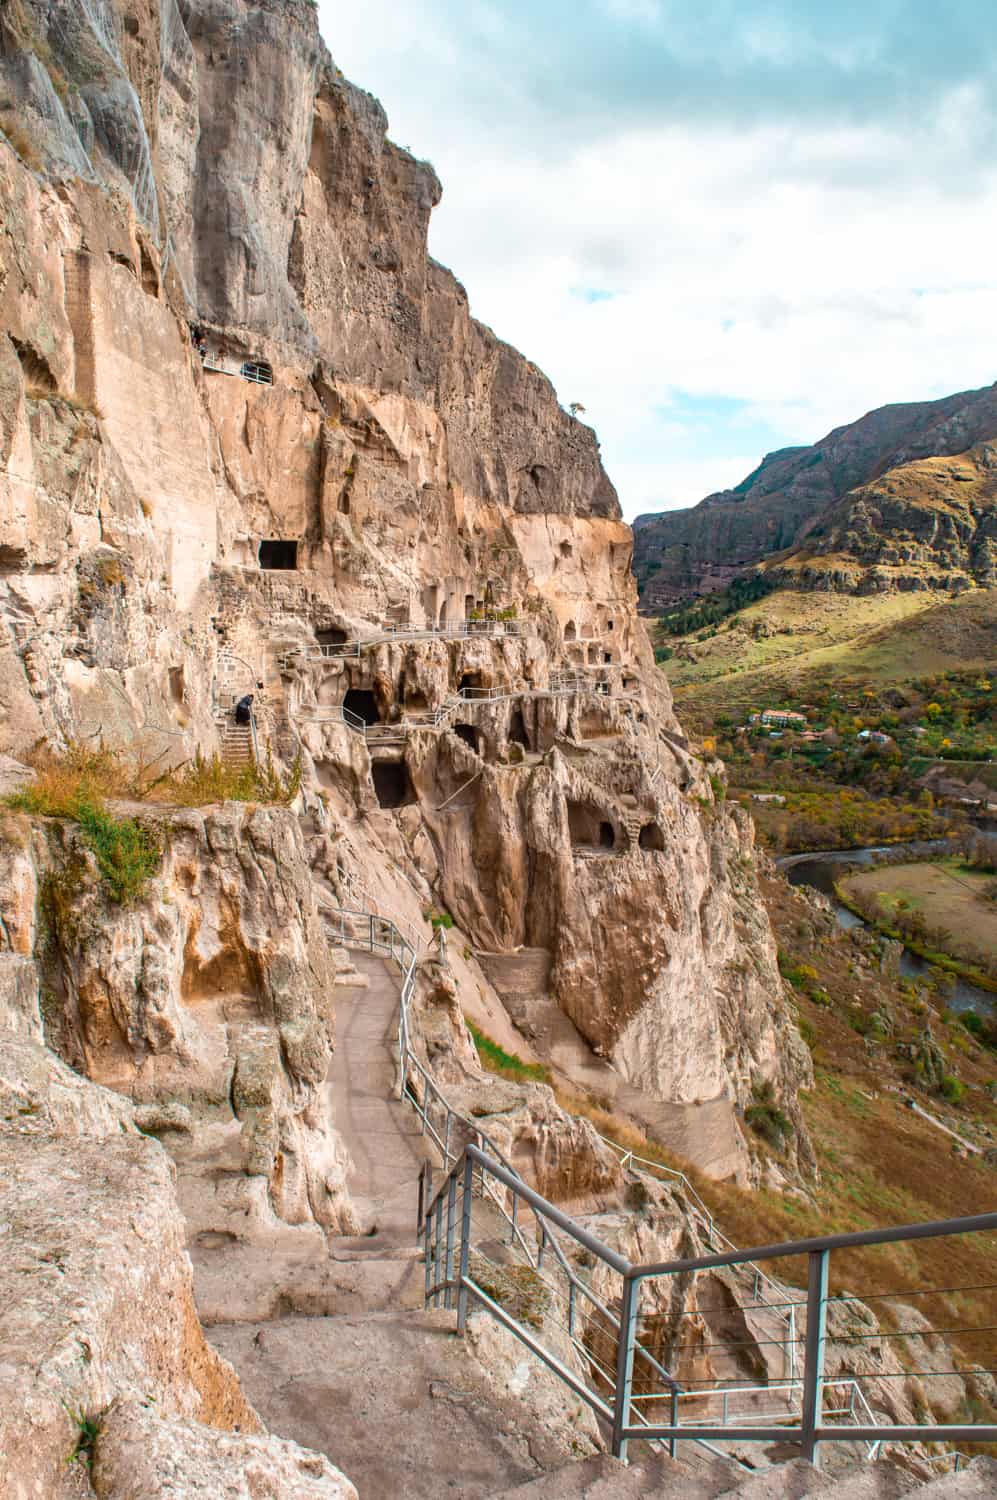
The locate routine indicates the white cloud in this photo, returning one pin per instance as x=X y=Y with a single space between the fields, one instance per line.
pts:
x=808 y=268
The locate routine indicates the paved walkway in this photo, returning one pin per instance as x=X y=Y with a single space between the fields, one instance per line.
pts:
x=381 y=1133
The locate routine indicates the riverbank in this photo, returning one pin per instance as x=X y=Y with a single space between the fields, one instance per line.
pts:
x=897 y=900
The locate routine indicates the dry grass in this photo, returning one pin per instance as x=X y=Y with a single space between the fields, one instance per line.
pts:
x=97 y=775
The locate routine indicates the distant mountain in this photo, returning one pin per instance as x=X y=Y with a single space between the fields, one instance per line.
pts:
x=928 y=524
x=679 y=555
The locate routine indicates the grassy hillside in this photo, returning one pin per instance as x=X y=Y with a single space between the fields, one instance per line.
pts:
x=785 y=644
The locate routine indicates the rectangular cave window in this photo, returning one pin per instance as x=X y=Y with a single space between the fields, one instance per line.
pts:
x=392 y=785
x=331 y=636
x=588 y=828
x=278 y=555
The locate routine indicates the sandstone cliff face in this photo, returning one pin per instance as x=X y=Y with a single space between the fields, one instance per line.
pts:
x=682 y=554
x=208 y=1004
x=403 y=466
x=97 y=1298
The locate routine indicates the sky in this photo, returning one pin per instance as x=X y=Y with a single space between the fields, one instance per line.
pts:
x=723 y=226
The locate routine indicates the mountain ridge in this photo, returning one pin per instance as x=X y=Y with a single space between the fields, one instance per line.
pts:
x=680 y=555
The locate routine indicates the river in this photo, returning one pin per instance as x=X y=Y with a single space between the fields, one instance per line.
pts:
x=822 y=867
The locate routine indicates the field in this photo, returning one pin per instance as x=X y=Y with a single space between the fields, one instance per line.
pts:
x=949 y=899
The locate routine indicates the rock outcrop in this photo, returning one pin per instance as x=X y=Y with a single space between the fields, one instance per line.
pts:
x=790 y=498
x=244 y=416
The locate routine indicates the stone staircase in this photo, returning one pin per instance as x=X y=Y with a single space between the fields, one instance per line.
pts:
x=237 y=743
x=633 y=818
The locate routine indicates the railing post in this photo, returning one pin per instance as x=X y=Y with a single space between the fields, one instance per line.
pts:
x=624 y=1366
x=438 y=1236
x=465 y=1243
x=451 y=1226
x=673 y=1442
x=813 y=1365
x=792 y=1341
x=428 y=1236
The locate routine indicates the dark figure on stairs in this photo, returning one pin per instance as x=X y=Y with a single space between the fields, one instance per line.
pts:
x=244 y=709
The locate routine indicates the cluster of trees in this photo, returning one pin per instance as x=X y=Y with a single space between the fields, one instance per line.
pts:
x=716 y=607
x=845 y=819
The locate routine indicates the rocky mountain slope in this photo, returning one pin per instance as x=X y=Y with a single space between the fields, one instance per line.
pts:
x=927 y=524
x=793 y=498
x=253 y=443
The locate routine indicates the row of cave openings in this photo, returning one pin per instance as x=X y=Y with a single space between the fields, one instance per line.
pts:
x=589 y=829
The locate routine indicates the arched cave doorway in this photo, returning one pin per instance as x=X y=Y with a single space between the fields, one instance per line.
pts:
x=331 y=635
x=361 y=701
x=651 y=837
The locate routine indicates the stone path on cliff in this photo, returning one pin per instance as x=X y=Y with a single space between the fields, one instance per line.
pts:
x=340 y=1354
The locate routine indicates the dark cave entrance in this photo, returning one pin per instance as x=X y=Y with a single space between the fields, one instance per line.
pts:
x=517 y=729
x=331 y=635
x=361 y=701
x=392 y=783
x=470 y=735
x=278 y=556
x=651 y=837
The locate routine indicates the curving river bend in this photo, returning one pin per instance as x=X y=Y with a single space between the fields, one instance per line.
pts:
x=822 y=867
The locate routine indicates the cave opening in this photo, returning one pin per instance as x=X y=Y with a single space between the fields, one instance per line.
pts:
x=517 y=729
x=588 y=828
x=651 y=837
x=277 y=555
x=468 y=606
x=331 y=635
x=470 y=735
x=471 y=685
x=392 y=784
x=361 y=701
x=571 y=631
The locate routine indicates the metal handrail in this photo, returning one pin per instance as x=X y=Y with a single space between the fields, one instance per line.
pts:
x=628 y=1422
x=387 y=633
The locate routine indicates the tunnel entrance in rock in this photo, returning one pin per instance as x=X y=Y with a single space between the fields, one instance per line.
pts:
x=468 y=606
x=361 y=701
x=517 y=729
x=651 y=837
x=571 y=631
x=392 y=783
x=588 y=828
x=278 y=555
x=471 y=684
x=470 y=735
x=415 y=700
x=35 y=366
x=331 y=635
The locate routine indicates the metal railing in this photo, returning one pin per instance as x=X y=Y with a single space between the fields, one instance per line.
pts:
x=623 y=1379
x=493 y=629
x=617 y=1357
